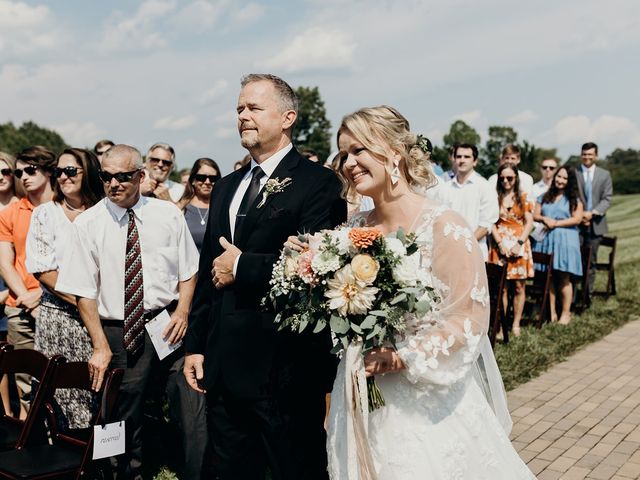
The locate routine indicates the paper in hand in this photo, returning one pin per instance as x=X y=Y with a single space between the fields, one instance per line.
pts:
x=155 y=327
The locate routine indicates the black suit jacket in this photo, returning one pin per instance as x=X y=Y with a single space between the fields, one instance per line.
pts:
x=244 y=352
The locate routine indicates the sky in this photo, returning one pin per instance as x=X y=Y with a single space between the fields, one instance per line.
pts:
x=137 y=72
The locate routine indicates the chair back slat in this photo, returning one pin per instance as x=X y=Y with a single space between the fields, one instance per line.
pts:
x=27 y=361
x=496 y=278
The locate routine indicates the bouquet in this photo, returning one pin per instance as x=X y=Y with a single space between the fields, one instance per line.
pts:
x=358 y=282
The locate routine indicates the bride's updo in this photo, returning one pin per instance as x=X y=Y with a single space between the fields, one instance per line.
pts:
x=374 y=127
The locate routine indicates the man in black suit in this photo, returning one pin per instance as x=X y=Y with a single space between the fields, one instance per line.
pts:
x=265 y=389
x=595 y=188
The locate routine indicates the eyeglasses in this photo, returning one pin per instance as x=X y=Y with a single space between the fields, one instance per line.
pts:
x=29 y=170
x=200 y=177
x=68 y=171
x=156 y=161
x=508 y=179
x=120 y=177
x=547 y=167
x=6 y=172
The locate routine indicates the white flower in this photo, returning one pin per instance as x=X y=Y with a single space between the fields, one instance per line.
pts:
x=344 y=243
x=396 y=246
x=407 y=271
x=325 y=262
x=348 y=295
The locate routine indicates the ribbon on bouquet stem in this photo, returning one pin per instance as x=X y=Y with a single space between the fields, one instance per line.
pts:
x=361 y=467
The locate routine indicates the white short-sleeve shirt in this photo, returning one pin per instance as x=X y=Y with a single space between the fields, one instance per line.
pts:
x=48 y=237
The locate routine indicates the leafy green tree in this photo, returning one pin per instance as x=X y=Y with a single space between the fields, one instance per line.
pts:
x=624 y=166
x=13 y=139
x=461 y=132
x=312 y=129
x=499 y=137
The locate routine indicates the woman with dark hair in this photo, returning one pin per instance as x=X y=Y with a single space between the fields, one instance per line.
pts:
x=59 y=329
x=197 y=193
x=510 y=233
x=560 y=210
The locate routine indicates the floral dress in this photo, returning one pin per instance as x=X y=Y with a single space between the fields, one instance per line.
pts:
x=443 y=417
x=510 y=226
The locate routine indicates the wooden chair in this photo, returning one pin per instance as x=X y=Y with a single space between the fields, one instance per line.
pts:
x=608 y=267
x=538 y=288
x=13 y=431
x=582 y=296
x=497 y=278
x=70 y=453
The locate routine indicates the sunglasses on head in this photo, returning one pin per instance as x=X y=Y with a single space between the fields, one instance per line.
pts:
x=156 y=161
x=29 y=170
x=120 y=177
x=6 y=172
x=68 y=171
x=548 y=167
x=508 y=178
x=201 y=177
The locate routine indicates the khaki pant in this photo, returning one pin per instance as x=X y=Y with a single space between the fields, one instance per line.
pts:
x=20 y=335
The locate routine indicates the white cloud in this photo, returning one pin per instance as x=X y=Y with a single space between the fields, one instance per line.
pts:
x=26 y=29
x=19 y=15
x=223 y=132
x=214 y=92
x=201 y=14
x=472 y=117
x=250 y=13
x=523 y=117
x=314 y=49
x=607 y=129
x=175 y=123
x=79 y=134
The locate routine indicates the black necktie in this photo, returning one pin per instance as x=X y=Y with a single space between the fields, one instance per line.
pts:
x=249 y=197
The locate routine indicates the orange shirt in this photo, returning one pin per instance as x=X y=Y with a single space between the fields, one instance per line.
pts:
x=14 y=226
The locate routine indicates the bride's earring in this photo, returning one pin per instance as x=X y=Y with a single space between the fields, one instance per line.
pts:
x=395 y=174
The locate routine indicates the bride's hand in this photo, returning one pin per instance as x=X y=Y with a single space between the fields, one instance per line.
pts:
x=294 y=243
x=382 y=360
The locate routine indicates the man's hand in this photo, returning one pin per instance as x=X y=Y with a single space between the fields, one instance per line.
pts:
x=193 y=370
x=98 y=364
x=29 y=300
x=147 y=186
x=586 y=218
x=162 y=192
x=222 y=271
x=381 y=360
x=176 y=328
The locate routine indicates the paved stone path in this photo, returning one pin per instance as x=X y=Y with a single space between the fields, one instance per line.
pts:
x=581 y=418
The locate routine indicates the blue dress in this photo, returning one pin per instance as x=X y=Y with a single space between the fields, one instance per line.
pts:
x=563 y=242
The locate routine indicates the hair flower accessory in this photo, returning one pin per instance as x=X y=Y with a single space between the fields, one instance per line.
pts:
x=273 y=185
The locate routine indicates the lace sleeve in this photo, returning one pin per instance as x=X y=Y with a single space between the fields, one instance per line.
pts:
x=441 y=347
x=40 y=242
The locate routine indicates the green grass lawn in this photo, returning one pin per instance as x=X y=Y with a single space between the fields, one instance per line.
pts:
x=536 y=350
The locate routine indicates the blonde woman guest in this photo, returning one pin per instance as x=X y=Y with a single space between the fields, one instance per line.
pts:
x=59 y=329
x=511 y=246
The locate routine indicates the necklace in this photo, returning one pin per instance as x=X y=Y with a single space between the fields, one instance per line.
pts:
x=66 y=204
x=203 y=218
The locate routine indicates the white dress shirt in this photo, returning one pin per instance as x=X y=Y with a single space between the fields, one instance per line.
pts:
x=93 y=266
x=48 y=237
x=584 y=170
x=475 y=200
x=539 y=188
x=526 y=184
x=175 y=190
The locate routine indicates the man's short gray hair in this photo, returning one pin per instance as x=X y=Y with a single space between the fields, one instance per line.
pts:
x=163 y=146
x=125 y=150
x=286 y=95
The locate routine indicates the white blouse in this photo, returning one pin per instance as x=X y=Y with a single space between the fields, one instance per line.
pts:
x=48 y=237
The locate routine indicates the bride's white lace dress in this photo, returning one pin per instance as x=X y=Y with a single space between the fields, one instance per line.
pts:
x=439 y=420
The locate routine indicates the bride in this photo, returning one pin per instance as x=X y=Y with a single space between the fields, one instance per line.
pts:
x=445 y=415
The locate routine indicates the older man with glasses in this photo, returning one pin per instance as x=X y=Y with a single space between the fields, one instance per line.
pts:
x=160 y=162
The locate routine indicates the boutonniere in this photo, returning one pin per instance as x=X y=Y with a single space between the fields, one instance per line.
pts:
x=273 y=185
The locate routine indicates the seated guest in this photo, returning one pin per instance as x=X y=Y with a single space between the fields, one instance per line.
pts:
x=560 y=210
x=511 y=154
x=197 y=193
x=159 y=164
x=101 y=147
x=511 y=245
x=59 y=329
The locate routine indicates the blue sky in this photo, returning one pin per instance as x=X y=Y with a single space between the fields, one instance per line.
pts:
x=139 y=72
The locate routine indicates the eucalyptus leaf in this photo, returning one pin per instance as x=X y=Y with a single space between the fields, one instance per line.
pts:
x=398 y=298
x=303 y=325
x=338 y=324
x=378 y=313
x=356 y=328
x=319 y=326
x=422 y=306
x=368 y=322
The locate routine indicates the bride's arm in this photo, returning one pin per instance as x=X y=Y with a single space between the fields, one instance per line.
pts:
x=442 y=345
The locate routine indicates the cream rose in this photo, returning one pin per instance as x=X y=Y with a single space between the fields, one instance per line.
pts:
x=365 y=268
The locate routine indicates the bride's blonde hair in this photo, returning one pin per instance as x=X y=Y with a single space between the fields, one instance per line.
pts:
x=374 y=127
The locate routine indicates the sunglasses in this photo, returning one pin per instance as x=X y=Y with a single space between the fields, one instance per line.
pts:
x=156 y=161
x=508 y=179
x=547 y=167
x=6 y=172
x=29 y=170
x=201 y=177
x=68 y=171
x=120 y=177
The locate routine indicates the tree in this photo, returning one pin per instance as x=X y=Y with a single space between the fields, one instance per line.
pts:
x=312 y=129
x=624 y=166
x=499 y=137
x=13 y=140
x=461 y=132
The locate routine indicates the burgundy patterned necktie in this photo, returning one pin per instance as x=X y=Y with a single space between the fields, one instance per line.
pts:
x=133 y=291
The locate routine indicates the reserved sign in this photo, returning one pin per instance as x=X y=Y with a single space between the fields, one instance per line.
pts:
x=108 y=440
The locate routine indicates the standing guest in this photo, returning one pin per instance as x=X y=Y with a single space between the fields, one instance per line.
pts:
x=33 y=166
x=511 y=239
x=265 y=388
x=241 y=163
x=421 y=152
x=10 y=192
x=451 y=155
x=160 y=162
x=560 y=210
x=471 y=195
x=184 y=176
x=59 y=329
x=310 y=155
x=101 y=147
x=511 y=154
x=129 y=259
x=197 y=194
x=547 y=169
x=596 y=189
